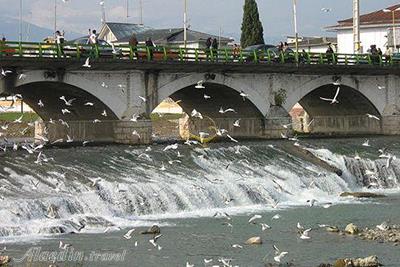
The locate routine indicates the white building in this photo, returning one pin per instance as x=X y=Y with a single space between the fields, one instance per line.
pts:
x=313 y=44
x=375 y=29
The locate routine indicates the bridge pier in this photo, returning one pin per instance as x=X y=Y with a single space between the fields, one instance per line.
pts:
x=119 y=132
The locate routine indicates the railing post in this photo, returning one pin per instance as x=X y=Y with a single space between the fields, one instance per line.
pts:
x=78 y=52
x=269 y=56
x=20 y=49
x=241 y=56
x=97 y=51
x=40 y=50
x=165 y=53
x=321 y=59
x=255 y=58
x=282 y=56
x=369 y=59
x=212 y=54
x=196 y=54
x=180 y=53
x=346 y=60
x=357 y=59
x=334 y=59
x=130 y=52
x=226 y=55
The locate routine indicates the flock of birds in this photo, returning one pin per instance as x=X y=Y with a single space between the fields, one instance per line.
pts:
x=279 y=255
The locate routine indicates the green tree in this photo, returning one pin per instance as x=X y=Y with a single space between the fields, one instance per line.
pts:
x=252 y=29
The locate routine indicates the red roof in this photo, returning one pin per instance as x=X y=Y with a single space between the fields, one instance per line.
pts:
x=375 y=18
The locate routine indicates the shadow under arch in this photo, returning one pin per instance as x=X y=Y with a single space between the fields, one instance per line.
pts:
x=348 y=117
x=50 y=92
x=351 y=102
x=214 y=96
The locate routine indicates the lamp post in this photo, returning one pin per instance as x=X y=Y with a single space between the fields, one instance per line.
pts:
x=356 y=27
x=20 y=21
x=55 y=17
x=185 y=23
x=393 y=24
x=141 y=11
x=295 y=26
x=103 y=12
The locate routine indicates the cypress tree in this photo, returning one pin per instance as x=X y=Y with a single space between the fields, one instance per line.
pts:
x=252 y=29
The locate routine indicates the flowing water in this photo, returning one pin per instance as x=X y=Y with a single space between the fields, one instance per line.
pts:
x=95 y=188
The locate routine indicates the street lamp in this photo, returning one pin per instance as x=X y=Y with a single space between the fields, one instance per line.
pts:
x=394 y=26
x=295 y=25
x=185 y=23
x=20 y=21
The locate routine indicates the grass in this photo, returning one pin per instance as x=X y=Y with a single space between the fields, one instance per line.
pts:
x=12 y=116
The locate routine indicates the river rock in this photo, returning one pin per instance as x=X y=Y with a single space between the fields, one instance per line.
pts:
x=371 y=261
x=255 y=240
x=361 y=195
x=352 y=229
x=4 y=260
x=154 y=230
x=333 y=229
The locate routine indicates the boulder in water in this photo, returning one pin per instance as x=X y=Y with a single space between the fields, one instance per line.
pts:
x=371 y=261
x=255 y=240
x=4 y=260
x=361 y=195
x=154 y=230
x=352 y=229
x=333 y=229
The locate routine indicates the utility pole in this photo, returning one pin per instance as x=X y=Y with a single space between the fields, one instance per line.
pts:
x=295 y=25
x=141 y=11
x=20 y=20
x=127 y=11
x=55 y=17
x=103 y=12
x=185 y=23
x=356 y=26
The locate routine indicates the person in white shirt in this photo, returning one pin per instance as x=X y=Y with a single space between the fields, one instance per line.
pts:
x=60 y=41
x=92 y=41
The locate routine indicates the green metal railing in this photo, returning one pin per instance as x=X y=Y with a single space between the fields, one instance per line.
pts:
x=179 y=54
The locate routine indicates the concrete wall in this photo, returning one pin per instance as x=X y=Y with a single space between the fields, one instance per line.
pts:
x=108 y=132
x=345 y=125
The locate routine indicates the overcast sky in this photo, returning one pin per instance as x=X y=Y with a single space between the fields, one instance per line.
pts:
x=204 y=15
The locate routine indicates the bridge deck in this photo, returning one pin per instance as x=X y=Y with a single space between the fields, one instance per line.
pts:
x=16 y=55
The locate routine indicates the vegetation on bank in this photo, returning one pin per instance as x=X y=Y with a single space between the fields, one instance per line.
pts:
x=12 y=116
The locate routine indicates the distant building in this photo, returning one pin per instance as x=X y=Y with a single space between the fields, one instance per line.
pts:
x=120 y=33
x=313 y=44
x=375 y=29
x=115 y=31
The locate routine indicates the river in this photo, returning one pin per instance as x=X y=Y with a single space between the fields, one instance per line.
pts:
x=95 y=188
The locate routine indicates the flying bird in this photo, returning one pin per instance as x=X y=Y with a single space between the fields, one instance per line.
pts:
x=87 y=63
x=373 y=117
x=334 y=100
x=200 y=85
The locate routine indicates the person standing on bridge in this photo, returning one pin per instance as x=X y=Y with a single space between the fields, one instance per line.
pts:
x=150 y=46
x=208 y=47
x=93 y=42
x=215 y=48
x=133 y=43
x=60 y=42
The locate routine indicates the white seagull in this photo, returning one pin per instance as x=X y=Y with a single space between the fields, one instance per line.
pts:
x=255 y=217
x=200 y=85
x=67 y=102
x=128 y=235
x=334 y=100
x=373 y=117
x=87 y=63
x=236 y=123
x=305 y=234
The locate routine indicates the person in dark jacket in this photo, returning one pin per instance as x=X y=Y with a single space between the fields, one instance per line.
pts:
x=150 y=45
x=215 y=48
x=208 y=47
x=133 y=42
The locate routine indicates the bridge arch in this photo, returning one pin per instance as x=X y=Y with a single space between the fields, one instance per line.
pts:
x=358 y=88
x=229 y=87
x=35 y=86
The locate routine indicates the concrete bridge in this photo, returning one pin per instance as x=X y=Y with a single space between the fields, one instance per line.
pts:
x=118 y=87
